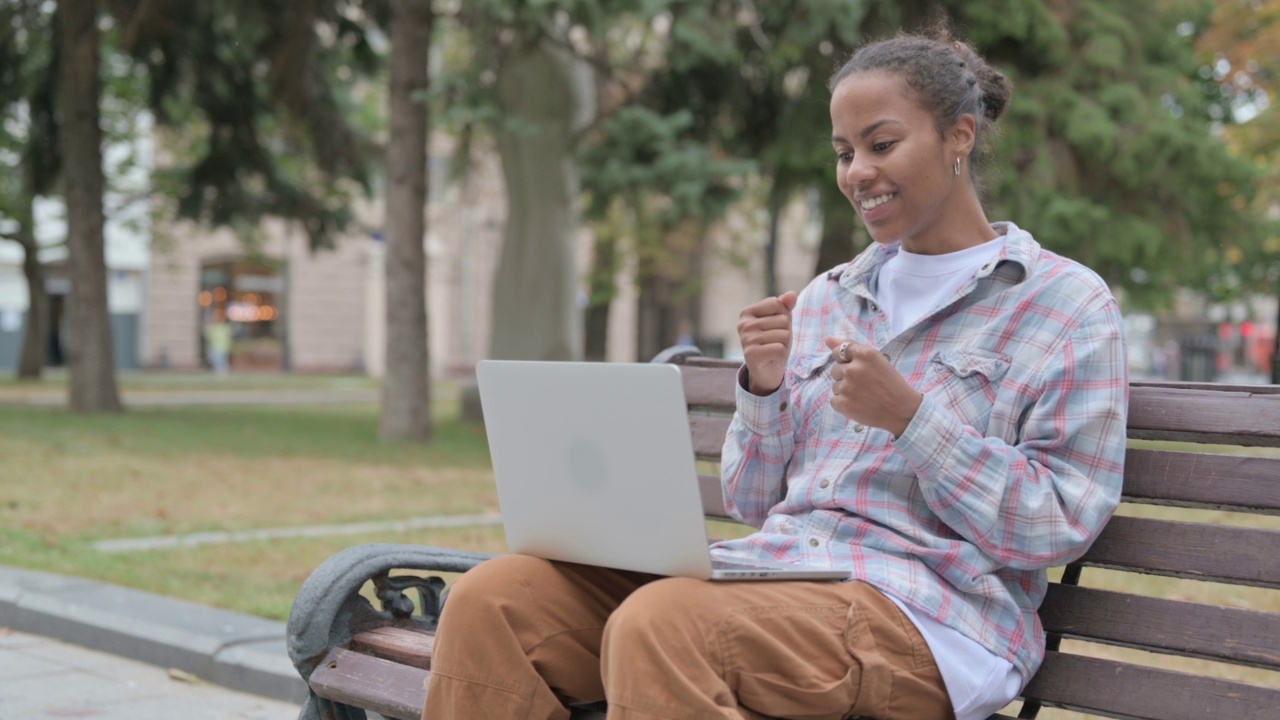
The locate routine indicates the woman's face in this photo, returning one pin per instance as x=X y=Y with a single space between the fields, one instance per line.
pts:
x=892 y=164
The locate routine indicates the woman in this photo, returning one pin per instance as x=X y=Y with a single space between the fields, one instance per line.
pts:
x=943 y=417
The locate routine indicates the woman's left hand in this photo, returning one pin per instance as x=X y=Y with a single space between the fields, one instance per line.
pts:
x=868 y=389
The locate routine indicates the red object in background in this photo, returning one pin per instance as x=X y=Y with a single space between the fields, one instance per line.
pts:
x=1225 y=331
x=1246 y=329
x=1261 y=349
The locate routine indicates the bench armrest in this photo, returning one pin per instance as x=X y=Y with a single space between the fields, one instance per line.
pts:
x=329 y=609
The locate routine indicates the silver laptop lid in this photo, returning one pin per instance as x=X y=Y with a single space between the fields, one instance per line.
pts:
x=594 y=464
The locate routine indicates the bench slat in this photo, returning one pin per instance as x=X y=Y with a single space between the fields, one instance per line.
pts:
x=709 y=362
x=1227 y=482
x=1238 y=418
x=1244 y=415
x=1210 y=386
x=1244 y=637
x=1122 y=690
x=402 y=645
x=1160 y=477
x=1198 y=551
x=711 y=388
x=708 y=436
x=388 y=688
x=350 y=681
x=712 y=497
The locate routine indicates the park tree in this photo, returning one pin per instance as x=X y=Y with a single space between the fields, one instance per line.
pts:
x=652 y=195
x=1241 y=71
x=283 y=141
x=518 y=74
x=262 y=129
x=257 y=125
x=1239 y=58
x=753 y=76
x=90 y=354
x=406 y=394
x=29 y=152
x=1108 y=154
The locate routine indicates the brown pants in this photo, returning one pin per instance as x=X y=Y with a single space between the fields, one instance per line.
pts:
x=521 y=637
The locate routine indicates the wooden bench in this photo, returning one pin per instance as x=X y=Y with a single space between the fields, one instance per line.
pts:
x=356 y=656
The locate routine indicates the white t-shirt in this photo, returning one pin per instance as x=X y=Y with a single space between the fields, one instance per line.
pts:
x=910 y=287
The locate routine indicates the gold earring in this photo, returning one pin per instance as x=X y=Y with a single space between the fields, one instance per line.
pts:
x=957 y=167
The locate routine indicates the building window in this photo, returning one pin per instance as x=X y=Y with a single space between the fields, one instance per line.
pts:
x=249 y=296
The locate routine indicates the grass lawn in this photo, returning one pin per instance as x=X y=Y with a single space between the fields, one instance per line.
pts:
x=68 y=479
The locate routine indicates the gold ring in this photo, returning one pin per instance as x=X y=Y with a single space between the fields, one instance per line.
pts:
x=842 y=352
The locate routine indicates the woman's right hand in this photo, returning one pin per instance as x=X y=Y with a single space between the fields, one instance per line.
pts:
x=764 y=329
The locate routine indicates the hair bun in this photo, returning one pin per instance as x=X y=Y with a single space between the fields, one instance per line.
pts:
x=996 y=90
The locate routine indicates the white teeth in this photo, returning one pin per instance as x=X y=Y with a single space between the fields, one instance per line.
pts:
x=877 y=201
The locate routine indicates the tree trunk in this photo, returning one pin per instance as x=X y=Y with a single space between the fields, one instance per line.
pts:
x=669 y=281
x=31 y=363
x=771 y=242
x=406 y=393
x=655 y=324
x=838 y=227
x=90 y=356
x=602 y=287
x=535 y=313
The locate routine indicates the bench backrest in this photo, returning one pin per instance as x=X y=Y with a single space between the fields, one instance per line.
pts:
x=1217 y=526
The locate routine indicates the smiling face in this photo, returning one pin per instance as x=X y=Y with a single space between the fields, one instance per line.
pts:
x=897 y=170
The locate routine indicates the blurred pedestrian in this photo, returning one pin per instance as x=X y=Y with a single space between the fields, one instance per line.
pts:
x=217 y=342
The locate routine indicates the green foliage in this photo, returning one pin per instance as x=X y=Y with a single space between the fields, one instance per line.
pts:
x=29 y=152
x=1108 y=153
x=262 y=127
x=642 y=151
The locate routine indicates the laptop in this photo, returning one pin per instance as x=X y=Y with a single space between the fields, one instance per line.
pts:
x=594 y=464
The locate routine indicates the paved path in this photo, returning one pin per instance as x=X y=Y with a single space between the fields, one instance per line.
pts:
x=233 y=650
x=306 y=531
x=47 y=679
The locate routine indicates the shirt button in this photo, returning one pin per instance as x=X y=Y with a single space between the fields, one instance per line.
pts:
x=813 y=542
x=859 y=427
x=824 y=484
x=783 y=405
x=874 y=307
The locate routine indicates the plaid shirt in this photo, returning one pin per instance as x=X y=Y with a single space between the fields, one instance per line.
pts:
x=1012 y=464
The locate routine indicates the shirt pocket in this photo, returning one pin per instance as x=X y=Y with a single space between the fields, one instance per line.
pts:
x=966 y=383
x=813 y=391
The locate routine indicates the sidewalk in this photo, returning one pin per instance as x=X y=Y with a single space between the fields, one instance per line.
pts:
x=46 y=678
x=235 y=651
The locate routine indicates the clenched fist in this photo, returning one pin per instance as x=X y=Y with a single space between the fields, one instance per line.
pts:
x=866 y=388
x=764 y=330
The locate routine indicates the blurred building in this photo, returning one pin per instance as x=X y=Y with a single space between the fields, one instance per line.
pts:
x=293 y=309
x=127 y=239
